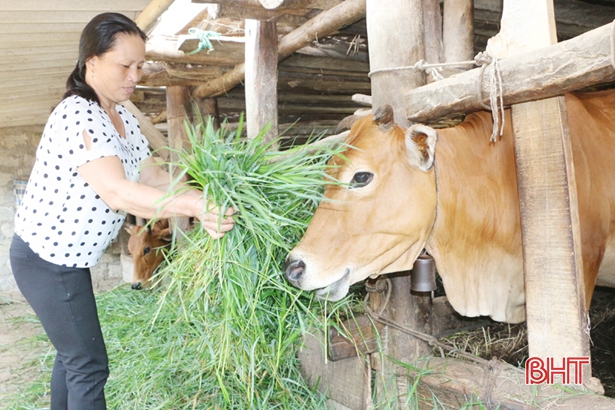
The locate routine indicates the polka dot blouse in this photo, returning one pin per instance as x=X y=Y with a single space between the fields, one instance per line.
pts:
x=62 y=219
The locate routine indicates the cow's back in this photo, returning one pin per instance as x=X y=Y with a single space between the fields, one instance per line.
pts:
x=477 y=236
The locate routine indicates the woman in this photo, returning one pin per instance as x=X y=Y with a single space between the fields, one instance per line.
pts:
x=92 y=167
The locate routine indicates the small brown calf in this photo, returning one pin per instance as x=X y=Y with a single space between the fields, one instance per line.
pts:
x=145 y=246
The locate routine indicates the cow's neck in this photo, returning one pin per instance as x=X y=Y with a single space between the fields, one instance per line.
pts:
x=476 y=239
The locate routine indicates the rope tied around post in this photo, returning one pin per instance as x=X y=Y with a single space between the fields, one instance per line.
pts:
x=204 y=39
x=496 y=98
x=482 y=59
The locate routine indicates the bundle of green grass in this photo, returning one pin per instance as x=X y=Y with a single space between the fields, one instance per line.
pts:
x=223 y=329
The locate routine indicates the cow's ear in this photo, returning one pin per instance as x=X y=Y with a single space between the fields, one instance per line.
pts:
x=128 y=227
x=421 y=146
x=384 y=118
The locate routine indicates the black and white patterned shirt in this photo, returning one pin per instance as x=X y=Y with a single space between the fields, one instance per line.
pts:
x=61 y=218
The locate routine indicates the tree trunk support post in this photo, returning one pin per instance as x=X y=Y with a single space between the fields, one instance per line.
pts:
x=554 y=289
x=261 y=78
x=178 y=110
x=387 y=22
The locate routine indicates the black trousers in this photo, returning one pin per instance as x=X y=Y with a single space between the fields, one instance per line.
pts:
x=63 y=299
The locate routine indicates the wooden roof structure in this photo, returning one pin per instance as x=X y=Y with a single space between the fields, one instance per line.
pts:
x=39 y=45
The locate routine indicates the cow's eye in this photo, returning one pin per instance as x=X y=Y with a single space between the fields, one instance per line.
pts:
x=146 y=250
x=360 y=179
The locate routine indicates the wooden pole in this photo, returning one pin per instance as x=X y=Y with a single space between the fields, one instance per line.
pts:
x=178 y=110
x=554 y=287
x=458 y=30
x=387 y=22
x=261 y=78
x=150 y=14
x=320 y=26
x=432 y=18
x=553 y=70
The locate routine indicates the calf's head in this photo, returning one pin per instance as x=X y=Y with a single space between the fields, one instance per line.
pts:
x=145 y=246
x=378 y=219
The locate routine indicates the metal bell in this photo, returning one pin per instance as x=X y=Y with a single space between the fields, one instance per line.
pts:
x=423 y=275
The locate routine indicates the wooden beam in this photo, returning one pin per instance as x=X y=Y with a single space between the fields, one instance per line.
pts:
x=322 y=25
x=150 y=14
x=493 y=384
x=179 y=110
x=387 y=22
x=552 y=257
x=458 y=30
x=546 y=72
x=432 y=19
x=261 y=79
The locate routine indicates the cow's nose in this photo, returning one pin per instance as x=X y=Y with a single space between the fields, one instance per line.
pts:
x=294 y=270
x=136 y=286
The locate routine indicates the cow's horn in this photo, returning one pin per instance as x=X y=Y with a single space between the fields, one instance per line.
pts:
x=384 y=118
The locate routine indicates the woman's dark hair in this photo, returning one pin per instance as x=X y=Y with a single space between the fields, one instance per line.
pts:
x=98 y=37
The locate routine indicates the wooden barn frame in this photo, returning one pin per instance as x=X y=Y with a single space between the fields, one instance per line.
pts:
x=557 y=325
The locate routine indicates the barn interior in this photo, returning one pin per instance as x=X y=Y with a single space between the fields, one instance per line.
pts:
x=196 y=46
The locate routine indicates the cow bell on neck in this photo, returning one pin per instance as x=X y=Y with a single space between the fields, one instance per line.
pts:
x=423 y=275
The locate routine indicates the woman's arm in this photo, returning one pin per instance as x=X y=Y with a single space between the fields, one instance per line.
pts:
x=107 y=178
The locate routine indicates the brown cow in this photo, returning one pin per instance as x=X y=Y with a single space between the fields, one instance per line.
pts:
x=453 y=193
x=145 y=245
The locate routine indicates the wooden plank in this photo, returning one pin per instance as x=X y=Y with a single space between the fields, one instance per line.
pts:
x=261 y=79
x=492 y=385
x=346 y=381
x=554 y=288
x=546 y=72
x=458 y=30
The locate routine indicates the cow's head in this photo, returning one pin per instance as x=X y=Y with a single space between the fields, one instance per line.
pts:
x=145 y=246
x=379 y=219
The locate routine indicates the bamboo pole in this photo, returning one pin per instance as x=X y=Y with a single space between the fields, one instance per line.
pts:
x=151 y=12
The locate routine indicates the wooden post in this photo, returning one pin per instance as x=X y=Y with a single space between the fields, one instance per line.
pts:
x=554 y=289
x=387 y=22
x=432 y=19
x=261 y=78
x=458 y=30
x=209 y=108
x=178 y=110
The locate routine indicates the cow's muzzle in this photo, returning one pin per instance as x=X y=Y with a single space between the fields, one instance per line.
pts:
x=293 y=270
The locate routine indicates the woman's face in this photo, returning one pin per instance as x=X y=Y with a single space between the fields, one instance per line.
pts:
x=115 y=74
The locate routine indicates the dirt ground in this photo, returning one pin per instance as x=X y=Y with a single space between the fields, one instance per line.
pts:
x=14 y=351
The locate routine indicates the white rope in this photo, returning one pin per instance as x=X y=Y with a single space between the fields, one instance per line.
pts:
x=423 y=66
x=496 y=98
x=483 y=59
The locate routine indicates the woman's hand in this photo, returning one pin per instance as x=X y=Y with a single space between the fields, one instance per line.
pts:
x=210 y=215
